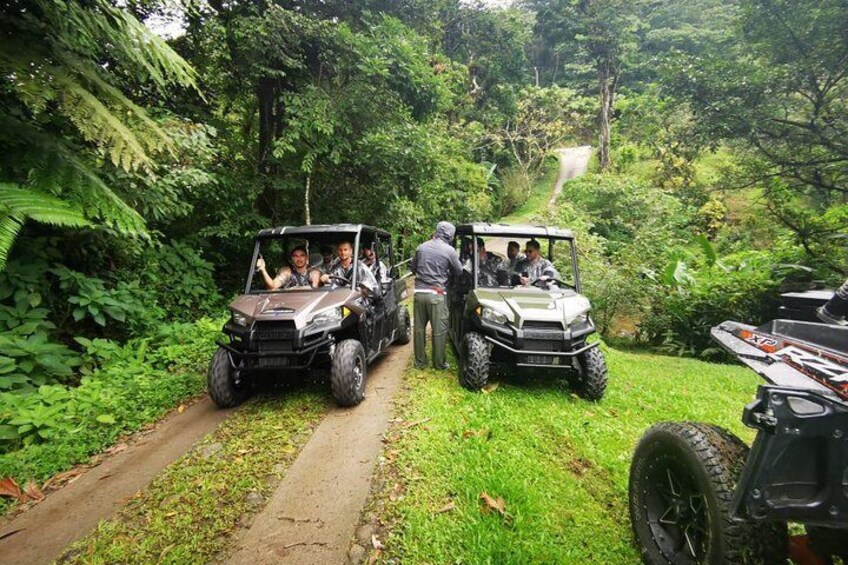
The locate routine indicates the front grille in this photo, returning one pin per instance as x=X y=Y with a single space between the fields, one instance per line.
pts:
x=550 y=326
x=274 y=331
x=544 y=360
x=540 y=334
x=542 y=345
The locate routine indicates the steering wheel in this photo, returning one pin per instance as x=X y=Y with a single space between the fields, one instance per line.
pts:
x=341 y=279
x=545 y=282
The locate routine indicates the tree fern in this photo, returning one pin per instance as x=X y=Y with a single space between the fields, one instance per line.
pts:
x=63 y=112
x=18 y=204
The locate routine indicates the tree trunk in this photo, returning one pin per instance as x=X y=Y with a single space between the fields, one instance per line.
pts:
x=306 y=199
x=266 y=94
x=606 y=106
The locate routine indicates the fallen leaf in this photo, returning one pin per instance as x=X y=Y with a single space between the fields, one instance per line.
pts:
x=181 y=408
x=475 y=433
x=491 y=504
x=375 y=543
x=170 y=514
x=9 y=488
x=446 y=508
x=412 y=424
x=62 y=477
x=32 y=491
x=374 y=557
x=117 y=448
x=165 y=551
x=491 y=387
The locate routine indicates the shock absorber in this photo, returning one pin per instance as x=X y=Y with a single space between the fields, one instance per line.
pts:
x=835 y=310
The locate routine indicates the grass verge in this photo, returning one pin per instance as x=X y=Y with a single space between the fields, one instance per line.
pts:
x=559 y=463
x=190 y=513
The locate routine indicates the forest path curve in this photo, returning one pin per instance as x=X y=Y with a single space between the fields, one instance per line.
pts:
x=40 y=534
x=573 y=162
x=312 y=515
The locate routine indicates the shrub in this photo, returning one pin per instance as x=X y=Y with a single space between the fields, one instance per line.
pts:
x=55 y=427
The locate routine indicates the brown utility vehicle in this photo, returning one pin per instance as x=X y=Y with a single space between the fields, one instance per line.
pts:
x=286 y=332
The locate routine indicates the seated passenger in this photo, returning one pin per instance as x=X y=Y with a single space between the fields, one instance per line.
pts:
x=369 y=258
x=513 y=257
x=488 y=265
x=301 y=274
x=343 y=267
x=278 y=281
x=327 y=259
x=535 y=267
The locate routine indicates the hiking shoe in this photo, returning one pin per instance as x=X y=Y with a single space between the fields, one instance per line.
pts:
x=827 y=318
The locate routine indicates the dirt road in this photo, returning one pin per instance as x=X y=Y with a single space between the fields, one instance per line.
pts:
x=573 y=162
x=40 y=534
x=312 y=515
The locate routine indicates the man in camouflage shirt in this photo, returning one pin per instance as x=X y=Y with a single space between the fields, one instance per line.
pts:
x=343 y=267
x=301 y=274
x=535 y=266
x=489 y=265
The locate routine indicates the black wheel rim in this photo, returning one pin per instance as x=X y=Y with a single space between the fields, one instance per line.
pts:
x=676 y=511
x=358 y=373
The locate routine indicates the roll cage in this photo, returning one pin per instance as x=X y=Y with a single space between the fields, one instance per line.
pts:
x=551 y=234
x=325 y=234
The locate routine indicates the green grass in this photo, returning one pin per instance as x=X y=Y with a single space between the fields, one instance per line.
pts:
x=191 y=511
x=560 y=463
x=540 y=193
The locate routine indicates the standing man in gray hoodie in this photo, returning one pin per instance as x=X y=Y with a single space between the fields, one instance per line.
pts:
x=435 y=262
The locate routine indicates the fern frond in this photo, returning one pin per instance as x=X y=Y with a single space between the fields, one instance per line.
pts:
x=55 y=168
x=22 y=203
x=9 y=228
x=97 y=124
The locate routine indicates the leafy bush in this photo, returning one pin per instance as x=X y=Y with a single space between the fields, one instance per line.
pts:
x=744 y=287
x=54 y=427
x=181 y=281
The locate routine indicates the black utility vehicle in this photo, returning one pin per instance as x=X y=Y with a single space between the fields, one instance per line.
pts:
x=286 y=332
x=697 y=495
x=495 y=320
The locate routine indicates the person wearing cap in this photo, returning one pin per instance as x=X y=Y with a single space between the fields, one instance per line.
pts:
x=534 y=266
x=434 y=265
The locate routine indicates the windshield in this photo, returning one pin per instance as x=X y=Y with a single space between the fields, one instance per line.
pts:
x=297 y=263
x=518 y=261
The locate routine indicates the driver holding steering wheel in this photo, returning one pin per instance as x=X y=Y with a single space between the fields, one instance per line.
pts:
x=341 y=269
x=535 y=267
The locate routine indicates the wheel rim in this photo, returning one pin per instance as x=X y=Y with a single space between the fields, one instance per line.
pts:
x=358 y=373
x=677 y=512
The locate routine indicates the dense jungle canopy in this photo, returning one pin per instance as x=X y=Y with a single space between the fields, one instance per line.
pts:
x=135 y=169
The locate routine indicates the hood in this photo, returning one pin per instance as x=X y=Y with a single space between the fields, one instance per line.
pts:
x=445 y=231
x=522 y=305
x=295 y=305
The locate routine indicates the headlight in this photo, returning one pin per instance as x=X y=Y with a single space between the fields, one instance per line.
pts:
x=581 y=320
x=493 y=316
x=327 y=316
x=239 y=318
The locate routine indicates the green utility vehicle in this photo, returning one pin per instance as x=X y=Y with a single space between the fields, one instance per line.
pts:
x=503 y=315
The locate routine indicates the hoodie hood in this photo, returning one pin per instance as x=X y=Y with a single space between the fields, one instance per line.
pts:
x=445 y=231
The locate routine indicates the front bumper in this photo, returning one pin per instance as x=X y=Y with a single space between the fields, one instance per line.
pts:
x=534 y=346
x=797 y=469
x=276 y=345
